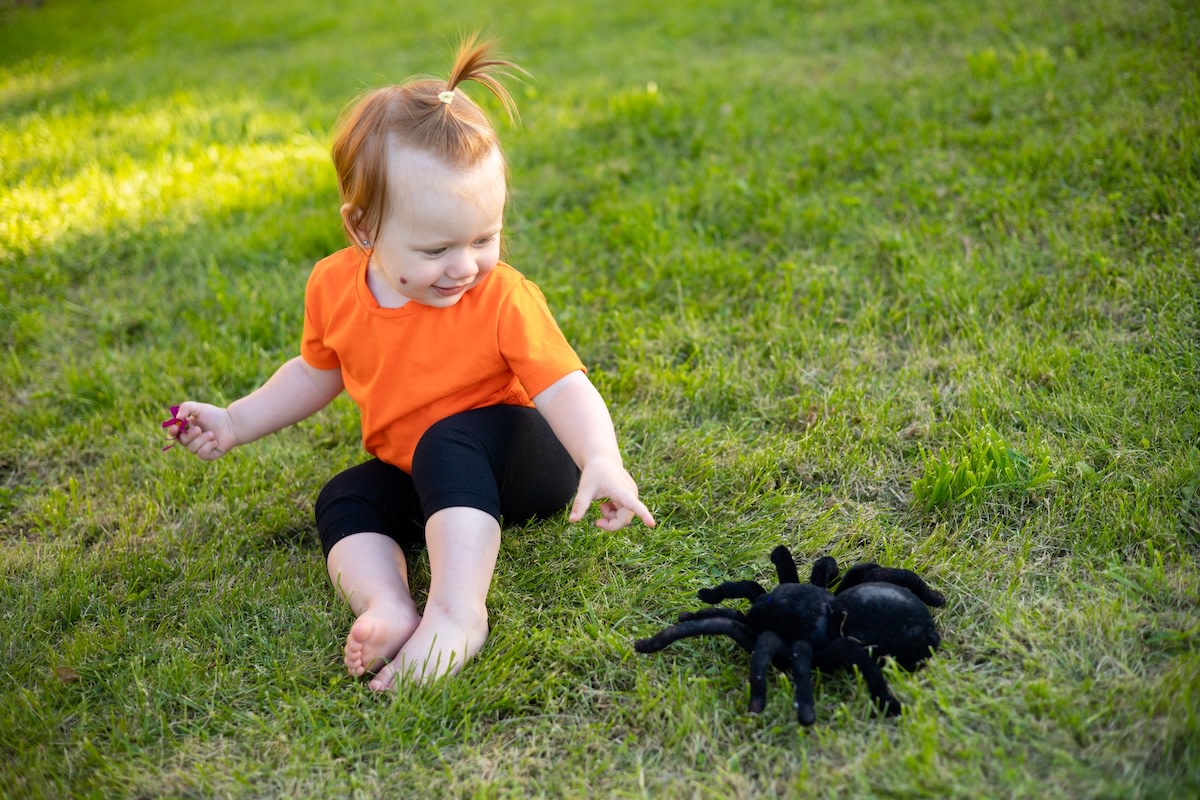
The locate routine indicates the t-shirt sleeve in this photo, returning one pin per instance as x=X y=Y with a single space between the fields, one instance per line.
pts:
x=312 y=343
x=531 y=341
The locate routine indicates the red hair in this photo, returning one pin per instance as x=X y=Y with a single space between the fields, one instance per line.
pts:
x=416 y=115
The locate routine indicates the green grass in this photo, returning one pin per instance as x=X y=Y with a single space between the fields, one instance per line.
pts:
x=983 y=467
x=813 y=254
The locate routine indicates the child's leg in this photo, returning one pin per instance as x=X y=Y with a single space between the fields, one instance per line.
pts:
x=369 y=571
x=469 y=470
x=463 y=544
x=363 y=516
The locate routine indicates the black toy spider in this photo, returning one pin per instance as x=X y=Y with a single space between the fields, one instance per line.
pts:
x=876 y=612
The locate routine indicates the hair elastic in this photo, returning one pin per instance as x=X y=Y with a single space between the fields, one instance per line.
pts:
x=447 y=96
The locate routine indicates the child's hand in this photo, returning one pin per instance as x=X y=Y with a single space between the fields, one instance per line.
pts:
x=606 y=480
x=205 y=430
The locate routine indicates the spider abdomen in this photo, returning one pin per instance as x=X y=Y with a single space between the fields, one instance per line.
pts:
x=890 y=621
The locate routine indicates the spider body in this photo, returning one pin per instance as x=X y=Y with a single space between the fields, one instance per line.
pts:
x=875 y=613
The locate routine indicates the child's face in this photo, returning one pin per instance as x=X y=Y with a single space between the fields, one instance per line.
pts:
x=442 y=235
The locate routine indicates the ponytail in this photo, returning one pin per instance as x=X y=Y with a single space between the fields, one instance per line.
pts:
x=432 y=116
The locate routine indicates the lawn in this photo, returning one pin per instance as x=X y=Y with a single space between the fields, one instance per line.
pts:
x=913 y=281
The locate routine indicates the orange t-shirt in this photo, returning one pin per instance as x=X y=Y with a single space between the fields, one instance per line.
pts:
x=409 y=367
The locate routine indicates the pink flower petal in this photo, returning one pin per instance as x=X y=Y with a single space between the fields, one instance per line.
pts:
x=180 y=426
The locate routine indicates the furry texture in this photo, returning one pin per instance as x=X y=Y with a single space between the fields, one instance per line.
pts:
x=874 y=613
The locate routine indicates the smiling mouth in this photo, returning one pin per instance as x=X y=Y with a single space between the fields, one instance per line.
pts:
x=453 y=290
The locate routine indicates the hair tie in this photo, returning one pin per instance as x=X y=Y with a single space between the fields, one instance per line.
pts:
x=447 y=96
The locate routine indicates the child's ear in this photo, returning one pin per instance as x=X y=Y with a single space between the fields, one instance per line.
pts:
x=352 y=221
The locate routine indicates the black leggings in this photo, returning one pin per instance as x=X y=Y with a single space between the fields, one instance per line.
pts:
x=504 y=460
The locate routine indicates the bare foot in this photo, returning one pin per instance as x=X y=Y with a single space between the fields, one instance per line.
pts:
x=441 y=645
x=376 y=637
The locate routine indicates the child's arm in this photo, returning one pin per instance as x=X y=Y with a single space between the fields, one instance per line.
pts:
x=296 y=391
x=580 y=419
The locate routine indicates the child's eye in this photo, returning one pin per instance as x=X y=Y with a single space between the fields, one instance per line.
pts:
x=435 y=252
x=485 y=241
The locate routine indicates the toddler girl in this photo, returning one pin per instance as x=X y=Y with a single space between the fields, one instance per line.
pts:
x=473 y=405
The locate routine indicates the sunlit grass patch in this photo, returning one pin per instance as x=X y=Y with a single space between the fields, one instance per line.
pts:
x=166 y=165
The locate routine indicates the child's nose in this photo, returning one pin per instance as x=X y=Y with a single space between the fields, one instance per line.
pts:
x=462 y=267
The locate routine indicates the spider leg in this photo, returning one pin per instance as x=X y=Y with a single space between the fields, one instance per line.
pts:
x=714 y=613
x=743 y=590
x=767 y=650
x=868 y=573
x=802 y=660
x=824 y=572
x=785 y=565
x=845 y=654
x=740 y=632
